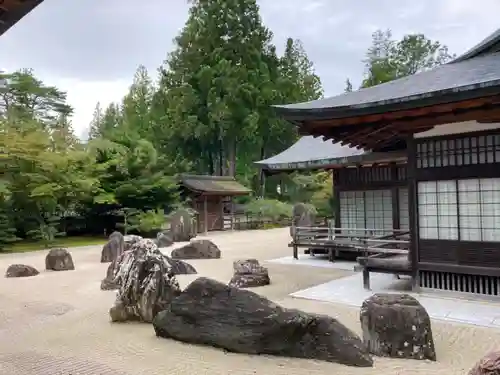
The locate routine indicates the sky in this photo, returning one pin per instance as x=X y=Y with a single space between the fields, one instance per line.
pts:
x=91 y=48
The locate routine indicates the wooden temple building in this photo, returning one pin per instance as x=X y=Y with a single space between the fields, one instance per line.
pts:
x=212 y=198
x=370 y=187
x=11 y=11
x=447 y=123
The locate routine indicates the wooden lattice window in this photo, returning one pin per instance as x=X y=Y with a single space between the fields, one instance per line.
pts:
x=470 y=150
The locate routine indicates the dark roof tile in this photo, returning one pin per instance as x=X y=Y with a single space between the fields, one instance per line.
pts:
x=315 y=153
x=216 y=185
x=477 y=68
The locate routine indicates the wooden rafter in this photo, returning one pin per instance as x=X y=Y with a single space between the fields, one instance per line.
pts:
x=406 y=114
x=371 y=135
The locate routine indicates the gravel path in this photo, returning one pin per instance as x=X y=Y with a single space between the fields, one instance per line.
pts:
x=57 y=323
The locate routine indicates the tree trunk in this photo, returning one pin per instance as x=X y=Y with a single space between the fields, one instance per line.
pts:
x=231 y=153
x=221 y=158
x=211 y=163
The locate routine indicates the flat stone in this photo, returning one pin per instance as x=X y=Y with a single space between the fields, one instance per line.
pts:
x=21 y=270
x=197 y=249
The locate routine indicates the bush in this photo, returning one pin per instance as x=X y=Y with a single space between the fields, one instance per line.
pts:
x=269 y=208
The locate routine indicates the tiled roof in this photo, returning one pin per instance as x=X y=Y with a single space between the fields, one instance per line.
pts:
x=315 y=153
x=216 y=185
x=477 y=69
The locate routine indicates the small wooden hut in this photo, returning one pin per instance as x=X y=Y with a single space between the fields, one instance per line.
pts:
x=212 y=197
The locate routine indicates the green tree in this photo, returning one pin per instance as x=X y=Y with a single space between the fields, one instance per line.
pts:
x=7 y=229
x=388 y=59
x=212 y=80
x=136 y=110
x=24 y=97
x=96 y=124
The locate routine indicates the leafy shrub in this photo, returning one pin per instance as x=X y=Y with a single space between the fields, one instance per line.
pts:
x=269 y=208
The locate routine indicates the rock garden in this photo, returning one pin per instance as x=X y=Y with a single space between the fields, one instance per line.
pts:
x=144 y=274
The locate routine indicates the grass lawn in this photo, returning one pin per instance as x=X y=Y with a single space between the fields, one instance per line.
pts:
x=25 y=246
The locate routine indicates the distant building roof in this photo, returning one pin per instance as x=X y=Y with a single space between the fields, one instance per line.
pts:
x=214 y=185
x=11 y=11
x=315 y=153
x=473 y=74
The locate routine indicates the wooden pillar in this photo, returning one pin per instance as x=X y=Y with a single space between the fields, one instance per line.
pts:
x=205 y=213
x=413 y=210
x=231 y=206
x=396 y=220
x=222 y=214
x=336 y=201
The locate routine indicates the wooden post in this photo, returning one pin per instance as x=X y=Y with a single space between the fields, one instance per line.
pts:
x=222 y=213
x=205 y=213
x=231 y=205
x=413 y=212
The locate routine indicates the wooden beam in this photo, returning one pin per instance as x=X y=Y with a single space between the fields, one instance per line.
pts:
x=399 y=129
x=409 y=113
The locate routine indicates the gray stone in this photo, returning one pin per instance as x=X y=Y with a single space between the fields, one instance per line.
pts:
x=302 y=216
x=108 y=283
x=147 y=284
x=59 y=260
x=21 y=270
x=164 y=239
x=398 y=326
x=112 y=281
x=197 y=249
x=488 y=365
x=249 y=273
x=182 y=225
x=180 y=267
x=211 y=313
x=113 y=248
x=129 y=240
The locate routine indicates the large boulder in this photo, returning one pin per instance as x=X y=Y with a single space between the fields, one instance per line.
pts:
x=249 y=273
x=129 y=240
x=197 y=249
x=113 y=248
x=147 y=284
x=488 y=365
x=113 y=278
x=182 y=225
x=398 y=326
x=59 y=260
x=303 y=215
x=164 y=239
x=211 y=313
x=21 y=270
